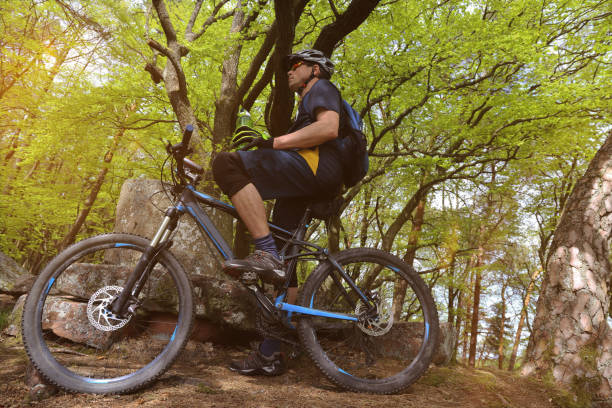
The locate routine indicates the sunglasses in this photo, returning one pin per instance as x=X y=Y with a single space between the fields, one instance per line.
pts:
x=296 y=65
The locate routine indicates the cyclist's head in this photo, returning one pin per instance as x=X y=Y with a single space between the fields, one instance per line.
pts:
x=311 y=57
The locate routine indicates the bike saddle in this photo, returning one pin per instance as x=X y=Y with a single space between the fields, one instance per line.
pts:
x=323 y=208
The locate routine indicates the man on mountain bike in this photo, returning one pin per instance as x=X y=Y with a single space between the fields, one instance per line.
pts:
x=293 y=168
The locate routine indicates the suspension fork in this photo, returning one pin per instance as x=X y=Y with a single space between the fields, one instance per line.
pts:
x=139 y=275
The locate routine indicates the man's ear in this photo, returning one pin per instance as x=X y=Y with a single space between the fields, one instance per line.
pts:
x=316 y=70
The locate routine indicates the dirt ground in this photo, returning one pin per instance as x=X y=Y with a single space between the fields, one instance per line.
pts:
x=200 y=378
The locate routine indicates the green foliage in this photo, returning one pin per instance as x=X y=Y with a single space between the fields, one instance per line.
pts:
x=576 y=397
x=4 y=318
x=205 y=389
x=438 y=377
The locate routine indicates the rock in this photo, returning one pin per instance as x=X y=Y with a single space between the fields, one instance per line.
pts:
x=23 y=284
x=14 y=324
x=446 y=343
x=66 y=318
x=404 y=340
x=224 y=302
x=39 y=388
x=40 y=392
x=10 y=271
x=7 y=302
x=81 y=280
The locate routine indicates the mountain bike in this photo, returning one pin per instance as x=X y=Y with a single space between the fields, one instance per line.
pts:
x=91 y=322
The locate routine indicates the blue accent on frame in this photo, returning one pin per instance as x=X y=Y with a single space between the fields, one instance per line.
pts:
x=343 y=372
x=426 y=331
x=49 y=286
x=315 y=312
x=193 y=214
x=207 y=197
x=173 y=333
x=123 y=245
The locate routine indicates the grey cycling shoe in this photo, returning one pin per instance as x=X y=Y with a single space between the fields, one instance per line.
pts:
x=258 y=364
x=264 y=264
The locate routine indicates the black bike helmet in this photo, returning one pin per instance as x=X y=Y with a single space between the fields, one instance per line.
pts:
x=314 y=56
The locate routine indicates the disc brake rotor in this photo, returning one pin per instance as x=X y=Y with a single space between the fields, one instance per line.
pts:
x=98 y=313
x=375 y=326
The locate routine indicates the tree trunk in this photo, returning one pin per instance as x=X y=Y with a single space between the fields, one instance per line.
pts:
x=522 y=319
x=174 y=77
x=502 y=331
x=458 y=321
x=399 y=291
x=475 y=309
x=468 y=298
x=452 y=291
x=227 y=104
x=571 y=338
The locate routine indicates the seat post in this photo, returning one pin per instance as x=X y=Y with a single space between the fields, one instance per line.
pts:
x=298 y=234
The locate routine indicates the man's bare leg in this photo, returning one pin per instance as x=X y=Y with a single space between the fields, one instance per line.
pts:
x=252 y=211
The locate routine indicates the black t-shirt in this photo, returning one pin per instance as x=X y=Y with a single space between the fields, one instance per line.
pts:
x=323 y=159
x=322 y=95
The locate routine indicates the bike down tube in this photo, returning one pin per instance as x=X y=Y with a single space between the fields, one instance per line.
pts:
x=190 y=204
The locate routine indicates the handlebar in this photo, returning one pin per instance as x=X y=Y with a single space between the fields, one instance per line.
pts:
x=179 y=151
x=182 y=148
x=187 y=135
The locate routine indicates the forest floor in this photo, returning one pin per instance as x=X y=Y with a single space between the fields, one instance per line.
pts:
x=200 y=377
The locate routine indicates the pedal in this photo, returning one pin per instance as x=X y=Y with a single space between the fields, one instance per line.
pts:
x=248 y=278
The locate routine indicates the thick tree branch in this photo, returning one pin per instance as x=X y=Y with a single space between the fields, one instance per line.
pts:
x=165 y=21
x=347 y=22
x=174 y=60
x=287 y=15
x=258 y=61
x=213 y=18
x=157 y=74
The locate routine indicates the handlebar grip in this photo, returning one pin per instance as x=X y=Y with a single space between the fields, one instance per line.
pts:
x=187 y=136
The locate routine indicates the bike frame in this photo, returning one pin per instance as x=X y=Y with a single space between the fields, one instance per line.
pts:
x=190 y=202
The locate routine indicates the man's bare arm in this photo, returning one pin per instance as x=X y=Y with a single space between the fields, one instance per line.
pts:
x=323 y=129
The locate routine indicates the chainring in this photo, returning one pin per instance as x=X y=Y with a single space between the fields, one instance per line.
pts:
x=98 y=313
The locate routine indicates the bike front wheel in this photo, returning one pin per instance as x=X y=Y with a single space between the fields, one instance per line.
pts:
x=76 y=343
x=390 y=340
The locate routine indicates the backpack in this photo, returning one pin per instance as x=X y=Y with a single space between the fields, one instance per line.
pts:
x=352 y=146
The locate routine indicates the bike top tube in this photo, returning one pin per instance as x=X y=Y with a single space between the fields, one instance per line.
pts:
x=229 y=209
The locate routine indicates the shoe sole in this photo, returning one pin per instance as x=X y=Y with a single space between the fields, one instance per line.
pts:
x=235 y=270
x=257 y=371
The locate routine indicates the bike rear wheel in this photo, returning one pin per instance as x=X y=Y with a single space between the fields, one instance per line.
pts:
x=377 y=353
x=75 y=342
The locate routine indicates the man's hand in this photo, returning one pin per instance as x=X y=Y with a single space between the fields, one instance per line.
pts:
x=246 y=137
x=260 y=143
